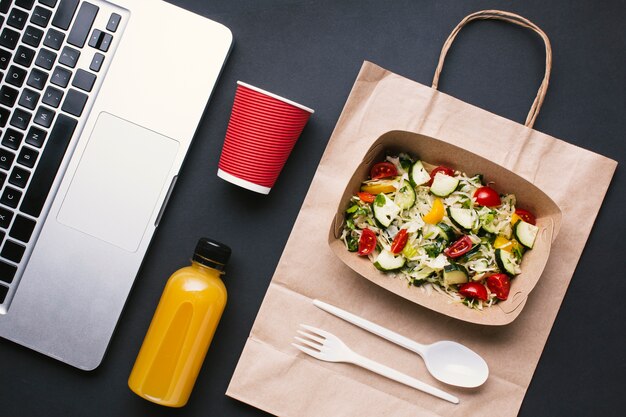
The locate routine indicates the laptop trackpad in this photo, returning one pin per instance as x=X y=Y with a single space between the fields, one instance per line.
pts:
x=117 y=184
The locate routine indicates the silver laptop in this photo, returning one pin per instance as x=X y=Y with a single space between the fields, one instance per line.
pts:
x=99 y=102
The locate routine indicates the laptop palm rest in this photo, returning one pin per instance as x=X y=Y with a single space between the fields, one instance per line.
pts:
x=115 y=190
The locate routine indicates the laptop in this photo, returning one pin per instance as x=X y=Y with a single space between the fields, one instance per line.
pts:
x=99 y=102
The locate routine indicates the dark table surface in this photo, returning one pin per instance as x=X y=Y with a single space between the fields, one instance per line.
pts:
x=311 y=51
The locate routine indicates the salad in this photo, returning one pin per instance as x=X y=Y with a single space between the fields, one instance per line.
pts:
x=439 y=228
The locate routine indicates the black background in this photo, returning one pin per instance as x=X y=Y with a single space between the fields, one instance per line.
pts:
x=311 y=51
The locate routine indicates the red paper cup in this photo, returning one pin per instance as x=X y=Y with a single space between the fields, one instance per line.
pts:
x=262 y=131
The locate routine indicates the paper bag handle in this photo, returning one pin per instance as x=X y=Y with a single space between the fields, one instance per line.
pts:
x=511 y=18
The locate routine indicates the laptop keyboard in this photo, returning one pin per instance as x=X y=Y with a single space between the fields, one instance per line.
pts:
x=45 y=88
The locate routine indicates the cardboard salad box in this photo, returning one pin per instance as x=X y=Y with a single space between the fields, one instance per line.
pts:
x=436 y=152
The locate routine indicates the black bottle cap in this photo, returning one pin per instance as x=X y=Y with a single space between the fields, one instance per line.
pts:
x=211 y=253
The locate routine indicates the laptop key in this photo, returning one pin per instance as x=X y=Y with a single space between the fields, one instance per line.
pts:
x=35 y=136
x=27 y=157
x=105 y=42
x=5 y=58
x=69 y=56
x=61 y=76
x=65 y=13
x=114 y=22
x=29 y=99
x=16 y=76
x=19 y=177
x=52 y=97
x=45 y=59
x=94 y=40
x=8 y=95
x=49 y=3
x=5 y=217
x=74 y=102
x=37 y=78
x=9 y=38
x=4 y=290
x=96 y=62
x=11 y=197
x=24 y=56
x=17 y=18
x=41 y=16
x=44 y=116
x=32 y=36
x=26 y=4
x=82 y=24
x=22 y=228
x=54 y=39
x=6 y=159
x=20 y=118
x=84 y=80
x=4 y=116
x=13 y=251
x=5 y=6
x=12 y=139
x=3 y=178
x=46 y=170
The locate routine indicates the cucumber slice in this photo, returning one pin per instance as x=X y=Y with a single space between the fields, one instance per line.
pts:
x=385 y=210
x=446 y=232
x=525 y=233
x=454 y=274
x=490 y=227
x=463 y=218
x=405 y=197
x=387 y=261
x=443 y=185
x=418 y=174
x=506 y=262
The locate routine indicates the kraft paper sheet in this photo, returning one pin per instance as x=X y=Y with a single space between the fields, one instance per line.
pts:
x=272 y=375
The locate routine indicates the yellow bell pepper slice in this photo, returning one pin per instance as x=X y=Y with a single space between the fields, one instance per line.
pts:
x=505 y=244
x=435 y=215
x=515 y=218
x=379 y=187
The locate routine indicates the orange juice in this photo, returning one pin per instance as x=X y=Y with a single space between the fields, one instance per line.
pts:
x=182 y=328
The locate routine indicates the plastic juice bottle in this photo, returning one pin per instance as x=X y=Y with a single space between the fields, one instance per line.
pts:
x=182 y=328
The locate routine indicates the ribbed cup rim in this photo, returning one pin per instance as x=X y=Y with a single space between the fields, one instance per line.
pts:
x=277 y=97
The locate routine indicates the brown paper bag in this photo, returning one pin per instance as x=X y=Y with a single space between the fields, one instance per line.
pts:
x=274 y=376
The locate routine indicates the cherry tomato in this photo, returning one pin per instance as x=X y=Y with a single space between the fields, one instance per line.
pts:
x=500 y=285
x=443 y=169
x=367 y=242
x=474 y=290
x=383 y=170
x=366 y=197
x=459 y=247
x=399 y=242
x=526 y=215
x=487 y=196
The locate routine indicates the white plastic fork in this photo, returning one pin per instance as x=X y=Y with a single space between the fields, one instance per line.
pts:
x=327 y=347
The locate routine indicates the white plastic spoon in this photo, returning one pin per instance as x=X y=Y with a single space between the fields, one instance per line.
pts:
x=447 y=361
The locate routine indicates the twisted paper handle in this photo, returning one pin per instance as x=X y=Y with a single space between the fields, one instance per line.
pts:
x=511 y=18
